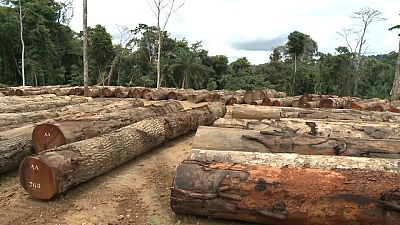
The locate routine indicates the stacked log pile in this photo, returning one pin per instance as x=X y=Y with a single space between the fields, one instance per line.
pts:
x=280 y=165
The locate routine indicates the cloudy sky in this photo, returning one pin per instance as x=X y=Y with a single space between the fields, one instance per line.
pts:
x=250 y=28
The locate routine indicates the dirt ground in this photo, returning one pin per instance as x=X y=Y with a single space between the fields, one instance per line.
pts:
x=137 y=192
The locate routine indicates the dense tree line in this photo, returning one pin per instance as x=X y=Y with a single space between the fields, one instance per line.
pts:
x=54 y=56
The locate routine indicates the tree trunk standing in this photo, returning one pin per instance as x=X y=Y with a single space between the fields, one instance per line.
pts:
x=85 y=51
x=48 y=174
x=288 y=189
x=159 y=53
x=51 y=135
x=395 y=88
x=231 y=139
x=21 y=17
x=113 y=65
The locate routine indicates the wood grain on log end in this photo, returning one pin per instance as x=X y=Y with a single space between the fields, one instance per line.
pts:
x=47 y=136
x=37 y=178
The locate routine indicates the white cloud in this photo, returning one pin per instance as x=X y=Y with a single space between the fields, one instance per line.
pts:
x=219 y=23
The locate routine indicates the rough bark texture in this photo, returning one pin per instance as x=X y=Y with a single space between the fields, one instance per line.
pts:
x=50 y=135
x=311 y=105
x=196 y=98
x=106 y=92
x=286 y=102
x=43 y=105
x=231 y=139
x=288 y=189
x=57 y=170
x=159 y=94
x=253 y=95
x=338 y=103
x=264 y=112
x=367 y=104
x=323 y=128
x=16 y=143
x=237 y=99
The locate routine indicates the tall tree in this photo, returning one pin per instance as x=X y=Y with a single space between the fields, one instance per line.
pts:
x=21 y=17
x=299 y=45
x=396 y=81
x=355 y=37
x=160 y=8
x=85 y=50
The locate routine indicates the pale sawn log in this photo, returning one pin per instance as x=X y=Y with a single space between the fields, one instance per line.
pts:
x=288 y=141
x=266 y=112
x=319 y=127
x=288 y=189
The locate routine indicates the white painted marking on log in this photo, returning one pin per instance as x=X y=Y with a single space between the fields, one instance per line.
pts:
x=34 y=185
x=34 y=167
x=47 y=134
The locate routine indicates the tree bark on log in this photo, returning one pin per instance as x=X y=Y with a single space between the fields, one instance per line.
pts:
x=237 y=99
x=288 y=189
x=121 y=92
x=51 y=135
x=43 y=105
x=231 y=139
x=323 y=128
x=159 y=94
x=196 y=98
x=285 y=102
x=253 y=95
x=265 y=112
x=367 y=104
x=48 y=174
x=106 y=92
x=337 y=103
x=15 y=144
x=312 y=105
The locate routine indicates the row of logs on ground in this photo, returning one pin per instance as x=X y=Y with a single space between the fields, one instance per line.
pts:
x=282 y=166
x=265 y=97
x=58 y=148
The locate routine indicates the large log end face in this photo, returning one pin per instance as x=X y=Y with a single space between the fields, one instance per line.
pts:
x=47 y=136
x=37 y=178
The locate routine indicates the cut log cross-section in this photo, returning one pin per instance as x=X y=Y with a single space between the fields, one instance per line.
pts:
x=286 y=189
x=54 y=171
x=51 y=135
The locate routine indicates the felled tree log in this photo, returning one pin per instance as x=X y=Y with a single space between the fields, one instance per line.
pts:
x=367 y=104
x=286 y=189
x=263 y=112
x=159 y=94
x=197 y=97
x=77 y=91
x=15 y=144
x=50 y=135
x=256 y=102
x=236 y=99
x=337 y=103
x=324 y=128
x=48 y=174
x=231 y=139
x=43 y=105
x=121 y=92
x=286 y=102
x=253 y=95
x=106 y=92
x=135 y=92
x=311 y=105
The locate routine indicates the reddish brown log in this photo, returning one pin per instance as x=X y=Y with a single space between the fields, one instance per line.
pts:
x=106 y=92
x=267 y=101
x=288 y=189
x=159 y=94
x=382 y=107
x=253 y=95
x=51 y=135
x=146 y=93
x=121 y=92
x=47 y=175
x=197 y=97
x=237 y=99
x=367 y=104
x=338 y=103
x=286 y=102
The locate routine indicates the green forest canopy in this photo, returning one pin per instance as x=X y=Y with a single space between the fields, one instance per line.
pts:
x=54 y=56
